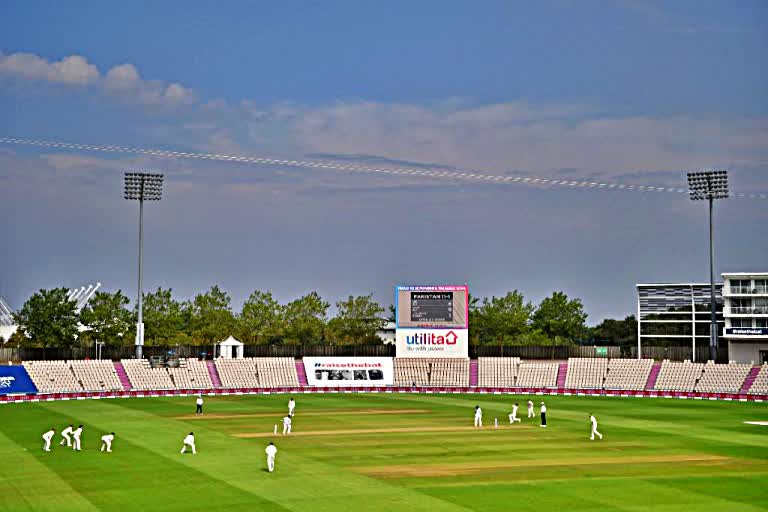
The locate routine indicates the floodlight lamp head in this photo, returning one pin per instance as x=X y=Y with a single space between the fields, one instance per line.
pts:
x=143 y=186
x=708 y=185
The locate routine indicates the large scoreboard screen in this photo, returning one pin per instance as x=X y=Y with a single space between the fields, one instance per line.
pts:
x=432 y=306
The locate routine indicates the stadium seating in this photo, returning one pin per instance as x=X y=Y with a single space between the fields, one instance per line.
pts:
x=52 y=376
x=760 y=385
x=537 y=375
x=191 y=374
x=722 y=378
x=96 y=375
x=586 y=372
x=448 y=372
x=238 y=373
x=678 y=376
x=497 y=371
x=629 y=374
x=276 y=372
x=144 y=377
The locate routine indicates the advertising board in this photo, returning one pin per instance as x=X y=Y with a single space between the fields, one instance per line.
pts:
x=14 y=379
x=349 y=371
x=432 y=342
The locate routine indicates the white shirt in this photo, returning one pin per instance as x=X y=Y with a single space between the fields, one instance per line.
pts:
x=514 y=409
x=77 y=432
x=287 y=420
x=478 y=413
x=594 y=421
x=291 y=404
x=67 y=430
x=271 y=450
x=543 y=408
x=108 y=437
x=530 y=404
x=199 y=401
x=190 y=439
x=48 y=435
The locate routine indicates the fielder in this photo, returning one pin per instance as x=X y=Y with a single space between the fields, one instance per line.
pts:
x=76 y=435
x=189 y=441
x=106 y=442
x=513 y=417
x=65 y=434
x=47 y=438
x=543 y=415
x=287 y=425
x=271 y=452
x=530 y=409
x=199 y=405
x=291 y=407
x=478 y=416
x=594 y=432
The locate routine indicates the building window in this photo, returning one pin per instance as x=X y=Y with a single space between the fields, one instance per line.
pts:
x=741 y=323
x=741 y=286
x=761 y=285
x=741 y=306
x=761 y=323
x=760 y=306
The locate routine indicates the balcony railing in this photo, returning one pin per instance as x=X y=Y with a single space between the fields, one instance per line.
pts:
x=752 y=310
x=748 y=290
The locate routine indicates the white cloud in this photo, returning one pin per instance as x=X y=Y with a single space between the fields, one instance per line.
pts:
x=72 y=70
x=123 y=81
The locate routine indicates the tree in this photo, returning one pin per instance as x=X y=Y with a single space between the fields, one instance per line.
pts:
x=261 y=319
x=357 y=320
x=211 y=318
x=616 y=332
x=305 y=319
x=49 y=318
x=501 y=320
x=557 y=316
x=107 y=319
x=164 y=317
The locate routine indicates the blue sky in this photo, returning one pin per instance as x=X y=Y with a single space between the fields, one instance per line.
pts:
x=627 y=91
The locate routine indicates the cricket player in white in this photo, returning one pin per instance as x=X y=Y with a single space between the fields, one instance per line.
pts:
x=291 y=407
x=478 y=416
x=530 y=409
x=76 y=435
x=47 y=438
x=594 y=433
x=106 y=442
x=65 y=435
x=189 y=441
x=513 y=417
x=287 y=425
x=271 y=452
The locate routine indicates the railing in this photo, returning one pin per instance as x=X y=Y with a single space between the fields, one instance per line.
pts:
x=751 y=310
x=748 y=290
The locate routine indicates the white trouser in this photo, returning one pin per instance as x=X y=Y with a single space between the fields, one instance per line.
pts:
x=271 y=462
x=67 y=439
x=47 y=447
x=191 y=445
x=478 y=421
x=530 y=413
x=513 y=418
x=106 y=445
x=286 y=429
x=76 y=443
x=595 y=432
x=290 y=412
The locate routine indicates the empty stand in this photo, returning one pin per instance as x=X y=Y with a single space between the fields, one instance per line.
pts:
x=52 y=376
x=96 y=375
x=629 y=374
x=537 y=375
x=191 y=374
x=447 y=372
x=760 y=385
x=144 y=377
x=497 y=371
x=722 y=378
x=586 y=372
x=251 y=372
x=678 y=376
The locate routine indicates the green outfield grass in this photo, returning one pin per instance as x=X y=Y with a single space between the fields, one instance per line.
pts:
x=388 y=452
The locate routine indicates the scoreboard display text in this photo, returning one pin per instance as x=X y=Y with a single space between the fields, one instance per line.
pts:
x=432 y=306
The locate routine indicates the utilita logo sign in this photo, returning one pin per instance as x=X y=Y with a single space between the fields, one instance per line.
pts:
x=431 y=338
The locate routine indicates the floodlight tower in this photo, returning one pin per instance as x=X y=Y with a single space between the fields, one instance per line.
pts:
x=710 y=185
x=141 y=186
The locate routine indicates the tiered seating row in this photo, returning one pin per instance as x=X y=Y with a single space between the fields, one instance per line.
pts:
x=629 y=374
x=265 y=372
x=723 y=378
x=73 y=376
x=497 y=371
x=760 y=385
x=537 y=375
x=447 y=372
x=678 y=376
x=586 y=372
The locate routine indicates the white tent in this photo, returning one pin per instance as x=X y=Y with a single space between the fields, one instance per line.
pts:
x=231 y=348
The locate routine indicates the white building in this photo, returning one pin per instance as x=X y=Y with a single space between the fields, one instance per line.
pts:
x=387 y=333
x=746 y=316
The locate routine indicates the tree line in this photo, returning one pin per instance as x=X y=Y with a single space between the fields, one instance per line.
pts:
x=48 y=319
